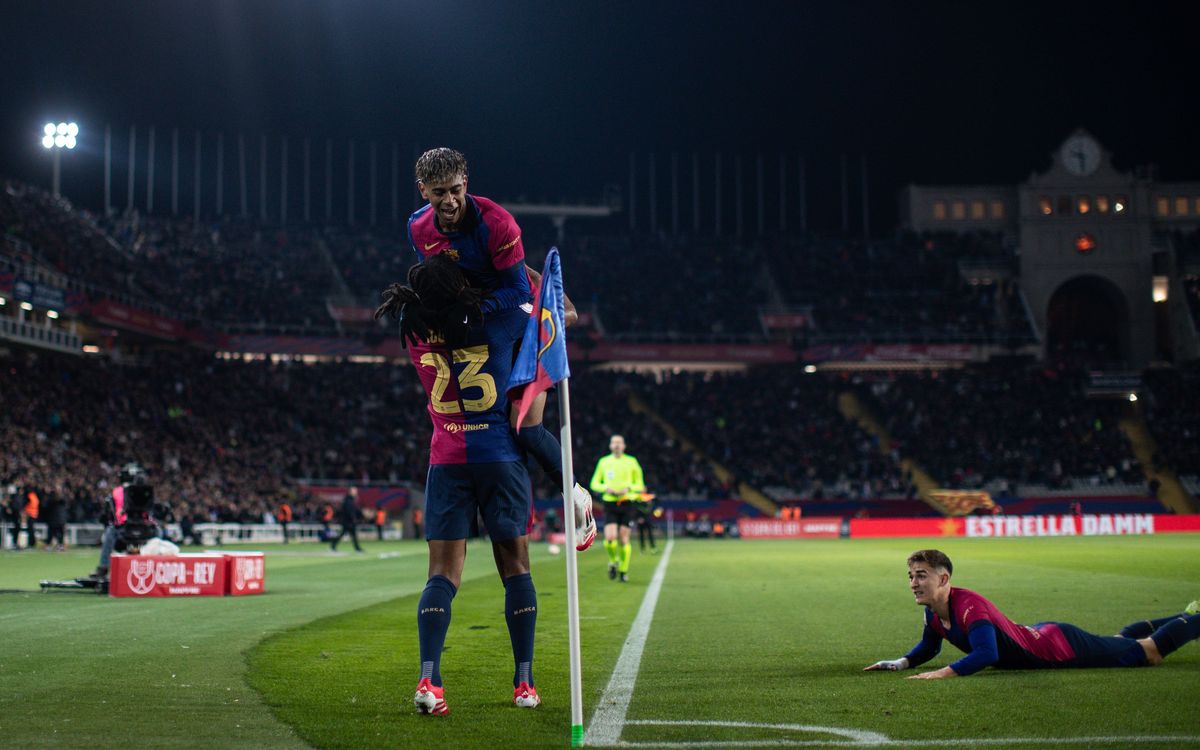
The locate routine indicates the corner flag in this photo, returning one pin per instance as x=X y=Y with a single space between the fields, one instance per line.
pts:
x=541 y=363
x=542 y=360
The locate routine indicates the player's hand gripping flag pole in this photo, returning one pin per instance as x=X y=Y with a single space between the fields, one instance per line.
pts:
x=541 y=363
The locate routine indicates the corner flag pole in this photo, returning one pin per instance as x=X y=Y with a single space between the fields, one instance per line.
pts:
x=564 y=410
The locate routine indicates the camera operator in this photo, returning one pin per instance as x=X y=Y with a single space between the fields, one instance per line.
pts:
x=128 y=517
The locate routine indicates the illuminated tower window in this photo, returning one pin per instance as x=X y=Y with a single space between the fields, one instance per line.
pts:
x=1045 y=205
x=1102 y=204
x=939 y=210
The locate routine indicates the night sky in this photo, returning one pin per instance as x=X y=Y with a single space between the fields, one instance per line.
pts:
x=548 y=99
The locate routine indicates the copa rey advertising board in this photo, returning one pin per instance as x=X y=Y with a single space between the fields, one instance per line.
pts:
x=208 y=574
x=179 y=575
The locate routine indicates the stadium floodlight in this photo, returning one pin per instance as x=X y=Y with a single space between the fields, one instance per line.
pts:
x=55 y=137
x=810 y=369
x=52 y=314
x=27 y=307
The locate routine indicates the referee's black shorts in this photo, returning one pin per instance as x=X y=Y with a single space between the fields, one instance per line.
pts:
x=623 y=514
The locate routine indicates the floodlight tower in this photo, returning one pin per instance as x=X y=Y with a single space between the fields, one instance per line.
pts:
x=56 y=137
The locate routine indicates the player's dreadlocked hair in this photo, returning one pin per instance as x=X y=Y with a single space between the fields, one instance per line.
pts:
x=440 y=164
x=436 y=301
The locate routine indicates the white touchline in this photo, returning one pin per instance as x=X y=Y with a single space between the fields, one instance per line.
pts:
x=609 y=718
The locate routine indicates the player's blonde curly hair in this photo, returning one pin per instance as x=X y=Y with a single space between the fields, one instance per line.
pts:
x=440 y=164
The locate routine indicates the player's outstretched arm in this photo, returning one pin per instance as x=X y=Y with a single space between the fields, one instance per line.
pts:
x=890 y=665
x=928 y=647
x=984 y=653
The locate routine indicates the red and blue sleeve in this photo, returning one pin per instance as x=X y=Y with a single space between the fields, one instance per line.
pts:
x=507 y=253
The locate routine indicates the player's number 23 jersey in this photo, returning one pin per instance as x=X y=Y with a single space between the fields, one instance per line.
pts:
x=465 y=386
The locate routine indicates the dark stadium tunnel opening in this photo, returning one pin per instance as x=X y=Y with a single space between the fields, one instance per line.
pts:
x=1087 y=322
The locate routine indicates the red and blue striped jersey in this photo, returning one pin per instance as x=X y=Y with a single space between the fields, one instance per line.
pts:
x=465 y=386
x=1020 y=646
x=487 y=247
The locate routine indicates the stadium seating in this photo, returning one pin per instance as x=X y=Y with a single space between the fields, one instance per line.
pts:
x=978 y=427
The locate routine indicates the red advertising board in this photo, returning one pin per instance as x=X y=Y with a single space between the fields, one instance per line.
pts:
x=1105 y=524
x=777 y=528
x=179 y=575
x=245 y=573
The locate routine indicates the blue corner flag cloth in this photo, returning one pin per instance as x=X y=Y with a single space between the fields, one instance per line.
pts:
x=542 y=360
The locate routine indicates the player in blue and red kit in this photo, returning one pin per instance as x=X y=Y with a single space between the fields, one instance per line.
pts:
x=988 y=638
x=485 y=240
x=474 y=463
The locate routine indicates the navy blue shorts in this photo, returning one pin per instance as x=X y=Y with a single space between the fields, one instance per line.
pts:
x=1101 y=650
x=454 y=493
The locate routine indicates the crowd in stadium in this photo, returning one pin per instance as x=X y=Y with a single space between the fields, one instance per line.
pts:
x=248 y=275
x=907 y=289
x=230 y=274
x=971 y=428
x=226 y=440
x=1174 y=418
x=779 y=429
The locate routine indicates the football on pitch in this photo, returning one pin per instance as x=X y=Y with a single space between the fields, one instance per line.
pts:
x=554 y=549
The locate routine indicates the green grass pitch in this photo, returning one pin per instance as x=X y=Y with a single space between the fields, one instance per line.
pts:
x=745 y=633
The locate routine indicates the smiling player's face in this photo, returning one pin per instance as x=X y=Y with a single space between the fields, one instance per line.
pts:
x=448 y=198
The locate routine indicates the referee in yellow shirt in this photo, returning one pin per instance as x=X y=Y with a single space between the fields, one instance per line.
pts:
x=618 y=480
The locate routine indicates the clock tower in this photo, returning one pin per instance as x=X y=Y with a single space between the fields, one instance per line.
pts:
x=1097 y=251
x=1085 y=238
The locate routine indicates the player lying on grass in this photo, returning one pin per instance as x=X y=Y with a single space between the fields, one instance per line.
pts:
x=475 y=466
x=988 y=638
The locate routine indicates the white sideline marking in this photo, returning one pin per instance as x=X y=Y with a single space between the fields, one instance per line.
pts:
x=609 y=718
x=863 y=738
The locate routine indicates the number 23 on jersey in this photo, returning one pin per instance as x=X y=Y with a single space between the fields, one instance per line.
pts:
x=474 y=357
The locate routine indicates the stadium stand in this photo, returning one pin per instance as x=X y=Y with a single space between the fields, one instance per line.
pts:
x=978 y=427
x=910 y=289
x=1174 y=418
x=227 y=437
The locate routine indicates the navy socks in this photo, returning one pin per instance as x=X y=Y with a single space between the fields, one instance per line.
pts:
x=1179 y=631
x=1145 y=628
x=520 y=612
x=433 y=620
x=540 y=444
